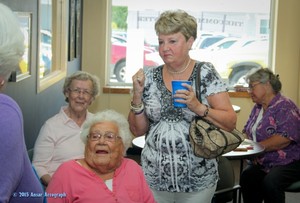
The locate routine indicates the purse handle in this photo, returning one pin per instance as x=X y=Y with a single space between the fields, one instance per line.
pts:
x=198 y=82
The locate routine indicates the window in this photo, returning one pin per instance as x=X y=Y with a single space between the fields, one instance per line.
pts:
x=52 y=42
x=232 y=34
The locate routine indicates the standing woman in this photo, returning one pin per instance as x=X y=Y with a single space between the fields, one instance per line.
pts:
x=274 y=122
x=172 y=170
x=59 y=138
x=17 y=179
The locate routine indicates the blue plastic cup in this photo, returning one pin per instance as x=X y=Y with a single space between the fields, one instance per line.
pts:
x=177 y=85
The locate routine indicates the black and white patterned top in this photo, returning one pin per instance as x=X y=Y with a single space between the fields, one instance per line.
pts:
x=167 y=158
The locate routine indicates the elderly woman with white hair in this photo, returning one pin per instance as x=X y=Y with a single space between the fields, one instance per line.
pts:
x=103 y=175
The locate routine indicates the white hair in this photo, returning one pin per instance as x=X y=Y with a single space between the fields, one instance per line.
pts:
x=11 y=41
x=111 y=116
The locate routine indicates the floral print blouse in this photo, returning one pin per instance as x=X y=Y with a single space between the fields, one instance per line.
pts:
x=167 y=158
x=282 y=117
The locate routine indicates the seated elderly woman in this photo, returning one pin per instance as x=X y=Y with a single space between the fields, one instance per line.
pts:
x=274 y=122
x=103 y=175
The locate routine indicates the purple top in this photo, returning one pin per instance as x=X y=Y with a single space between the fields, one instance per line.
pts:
x=281 y=117
x=18 y=182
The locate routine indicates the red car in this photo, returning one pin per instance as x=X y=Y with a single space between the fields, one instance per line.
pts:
x=118 y=57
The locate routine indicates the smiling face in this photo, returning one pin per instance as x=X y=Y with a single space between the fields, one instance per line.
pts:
x=104 y=155
x=79 y=95
x=174 y=48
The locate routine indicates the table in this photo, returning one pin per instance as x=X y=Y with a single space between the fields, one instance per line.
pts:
x=254 y=150
x=140 y=141
x=236 y=108
x=241 y=155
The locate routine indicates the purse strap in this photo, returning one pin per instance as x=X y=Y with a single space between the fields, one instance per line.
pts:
x=198 y=82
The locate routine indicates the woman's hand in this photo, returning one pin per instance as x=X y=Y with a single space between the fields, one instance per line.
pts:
x=138 y=82
x=190 y=99
x=220 y=110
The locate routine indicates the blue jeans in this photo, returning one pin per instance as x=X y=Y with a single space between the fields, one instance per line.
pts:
x=258 y=186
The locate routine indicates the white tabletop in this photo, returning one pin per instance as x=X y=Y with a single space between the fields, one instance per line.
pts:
x=139 y=141
x=247 y=149
x=236 y=108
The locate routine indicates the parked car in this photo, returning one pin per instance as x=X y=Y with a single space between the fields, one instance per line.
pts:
x=233 y=63
x=230 y=42
x=118 y=57
x=207 y=41
x=46 y=51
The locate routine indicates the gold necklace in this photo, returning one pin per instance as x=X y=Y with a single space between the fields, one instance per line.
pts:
x=181 y=71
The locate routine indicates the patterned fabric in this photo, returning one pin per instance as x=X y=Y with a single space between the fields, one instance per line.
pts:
x=281 y=117
x=167 y=158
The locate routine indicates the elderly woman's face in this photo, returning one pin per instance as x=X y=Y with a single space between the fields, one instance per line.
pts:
x=259 y=91
x=80 y=95
x=104 y=148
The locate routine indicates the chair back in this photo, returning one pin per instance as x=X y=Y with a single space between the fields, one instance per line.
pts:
x=294 y=187
x=226 y=189
x=30 y=154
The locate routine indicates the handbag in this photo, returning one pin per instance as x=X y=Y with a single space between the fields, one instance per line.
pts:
x=206 y=139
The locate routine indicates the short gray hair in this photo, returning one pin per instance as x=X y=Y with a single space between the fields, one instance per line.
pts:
x=265 y=75
x=82 y=75
x=111 y=116
x=11 y=41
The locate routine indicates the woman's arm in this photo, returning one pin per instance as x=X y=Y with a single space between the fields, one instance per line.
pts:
x=138 y=123
x=275 y=142
x=221 y=112
x=43 y=150
x=137 y=118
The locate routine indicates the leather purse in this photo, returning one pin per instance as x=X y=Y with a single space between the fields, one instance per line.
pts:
x=206 y=139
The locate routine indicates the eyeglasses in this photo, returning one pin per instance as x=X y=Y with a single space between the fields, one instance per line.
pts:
x=251 y=86
x=78 y=91
x=108 y=136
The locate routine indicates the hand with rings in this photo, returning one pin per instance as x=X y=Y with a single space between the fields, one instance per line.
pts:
x=189 y=97
x=138 y=80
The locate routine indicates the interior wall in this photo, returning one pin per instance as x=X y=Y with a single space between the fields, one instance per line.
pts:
x=36 y=107
x=286 y=54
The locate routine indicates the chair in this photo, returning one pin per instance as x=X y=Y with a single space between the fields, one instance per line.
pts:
x=226 y=190
x=134 y=153
x=294 y=187
x=30 y=154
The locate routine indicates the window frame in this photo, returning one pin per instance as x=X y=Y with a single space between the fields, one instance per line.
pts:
x=118 y=87
x=59 y=45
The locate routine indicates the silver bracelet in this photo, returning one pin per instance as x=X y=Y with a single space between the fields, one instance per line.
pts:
x=137 y=109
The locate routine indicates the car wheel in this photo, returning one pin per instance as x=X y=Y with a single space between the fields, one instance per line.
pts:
x=120 y=71
x=239 y=77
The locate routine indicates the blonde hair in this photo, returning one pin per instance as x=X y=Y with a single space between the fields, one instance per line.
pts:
x=171 y=22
